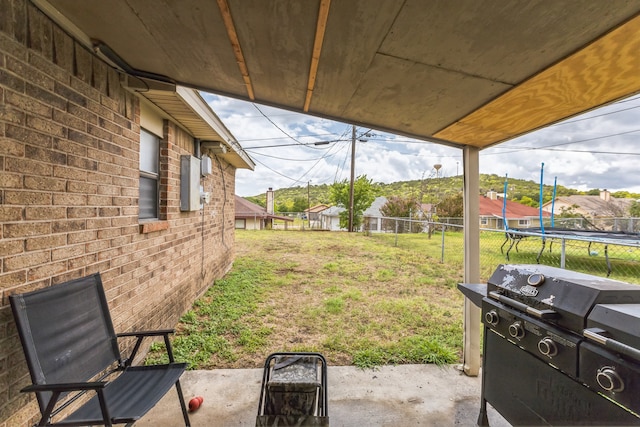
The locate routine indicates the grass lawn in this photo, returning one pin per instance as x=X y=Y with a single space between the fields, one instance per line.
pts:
x=359 y=300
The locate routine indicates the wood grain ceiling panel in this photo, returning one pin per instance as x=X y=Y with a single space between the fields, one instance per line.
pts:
x=600 y=73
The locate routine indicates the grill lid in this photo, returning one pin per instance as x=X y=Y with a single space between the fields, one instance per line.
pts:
x=571 y=294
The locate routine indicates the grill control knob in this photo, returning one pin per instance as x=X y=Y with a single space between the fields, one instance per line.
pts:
x=492 y=318
x=516 y=330
x=547 y=347
x=609 y=379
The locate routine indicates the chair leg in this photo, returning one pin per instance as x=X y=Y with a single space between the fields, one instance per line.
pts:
x=185 y=414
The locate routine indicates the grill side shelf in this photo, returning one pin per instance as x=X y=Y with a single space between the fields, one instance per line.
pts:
x=474 y=291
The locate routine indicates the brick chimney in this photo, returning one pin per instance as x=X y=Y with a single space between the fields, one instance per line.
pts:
x=270 y=209
x=605 y=195
x=492 y=195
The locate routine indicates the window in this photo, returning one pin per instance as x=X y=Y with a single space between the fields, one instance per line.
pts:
x=484 y=220
x=523 y=222
x=149 y=175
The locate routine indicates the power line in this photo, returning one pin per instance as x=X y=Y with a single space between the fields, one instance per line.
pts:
x=617 y=153
x=549 y=147
x=591 y=139
x=274 y=171
x=276 y=126
x=295 y=181
x=315 y=164
x=305 y=144
x=282 y=138
x=346 y=155
x=594 y=117
x=288 y=159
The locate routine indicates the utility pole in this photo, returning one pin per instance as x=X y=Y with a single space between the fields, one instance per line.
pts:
x=309 y=203
x=353 y=166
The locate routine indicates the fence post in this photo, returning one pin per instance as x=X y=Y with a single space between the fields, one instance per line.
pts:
x=563 y=254
x=396 y=221
x=442 y=246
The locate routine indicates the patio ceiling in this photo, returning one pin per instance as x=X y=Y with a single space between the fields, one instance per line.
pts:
x=464 y=72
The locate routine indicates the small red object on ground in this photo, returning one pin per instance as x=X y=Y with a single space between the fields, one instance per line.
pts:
x=195 y=403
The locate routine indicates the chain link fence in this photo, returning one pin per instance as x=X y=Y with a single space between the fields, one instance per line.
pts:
x=601 y=254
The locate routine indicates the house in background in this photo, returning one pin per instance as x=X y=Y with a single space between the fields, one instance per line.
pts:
x=516 y=214
x=372 y=217
x=426 y=211
x=602 y=206
x=313 y=214
x=330 y=219
x=250 y=216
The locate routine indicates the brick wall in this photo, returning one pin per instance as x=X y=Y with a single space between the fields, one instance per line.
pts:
x=69 y=153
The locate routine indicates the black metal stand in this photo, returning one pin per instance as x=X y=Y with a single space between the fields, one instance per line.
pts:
x=528 y=392
x=291 y=393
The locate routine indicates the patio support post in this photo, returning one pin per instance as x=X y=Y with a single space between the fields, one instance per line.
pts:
x=472 y=330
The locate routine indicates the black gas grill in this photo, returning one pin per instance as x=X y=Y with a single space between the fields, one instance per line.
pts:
x=560 y=347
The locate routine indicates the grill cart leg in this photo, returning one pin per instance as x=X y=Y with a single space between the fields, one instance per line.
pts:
x=483 y=419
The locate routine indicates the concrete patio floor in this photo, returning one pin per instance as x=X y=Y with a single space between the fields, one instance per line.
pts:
x=393 y=396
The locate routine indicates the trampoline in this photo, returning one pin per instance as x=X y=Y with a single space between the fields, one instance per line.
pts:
x=606 y=238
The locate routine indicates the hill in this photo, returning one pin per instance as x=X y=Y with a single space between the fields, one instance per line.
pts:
x=428 y=190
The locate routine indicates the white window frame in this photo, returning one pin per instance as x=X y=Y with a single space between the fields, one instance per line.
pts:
x=149 y=173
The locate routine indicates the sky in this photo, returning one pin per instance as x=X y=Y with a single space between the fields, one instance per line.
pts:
x=599 y=149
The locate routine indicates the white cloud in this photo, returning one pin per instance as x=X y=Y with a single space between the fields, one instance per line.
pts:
x=599 y=149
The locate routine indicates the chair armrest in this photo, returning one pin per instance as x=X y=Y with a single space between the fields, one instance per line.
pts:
x=65 y=387
x=140 y=335
x=146 y=333
x=56 y=389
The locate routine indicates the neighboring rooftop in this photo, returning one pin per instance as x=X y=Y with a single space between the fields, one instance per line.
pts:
x=603 y=205
x=247 y=209
x=492 y=205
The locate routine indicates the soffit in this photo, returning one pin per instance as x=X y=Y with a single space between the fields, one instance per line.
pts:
x=469 y=72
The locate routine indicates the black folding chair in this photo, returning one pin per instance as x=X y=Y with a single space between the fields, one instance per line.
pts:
x=73 y=356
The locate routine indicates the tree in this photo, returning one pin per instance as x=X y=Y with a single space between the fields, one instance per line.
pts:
x=451 y=207
x=569 y=212
x=401 y=207
x=634 y=209
x=363 y=196
x=299 y=204
x=528 y=201
x=283 y=206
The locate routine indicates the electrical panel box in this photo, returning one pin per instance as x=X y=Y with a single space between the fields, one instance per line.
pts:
x=189 y=183
x=206 y=167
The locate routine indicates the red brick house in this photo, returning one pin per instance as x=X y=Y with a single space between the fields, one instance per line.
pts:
x=91 y=169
